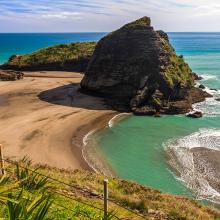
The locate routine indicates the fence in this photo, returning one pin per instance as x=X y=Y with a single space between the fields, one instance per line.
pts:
x=105 y=197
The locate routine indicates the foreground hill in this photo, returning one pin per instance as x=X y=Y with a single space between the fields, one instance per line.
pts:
x=66 y=57
x=78 y=195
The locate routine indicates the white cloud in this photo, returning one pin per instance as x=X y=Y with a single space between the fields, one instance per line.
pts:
x=107 y=15
x=63 y=15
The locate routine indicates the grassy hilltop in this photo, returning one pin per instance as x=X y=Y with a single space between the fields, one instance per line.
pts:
x=26 y=195
x=68 y=57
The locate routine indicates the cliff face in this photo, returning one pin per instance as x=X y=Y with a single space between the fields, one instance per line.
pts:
x=64 y=57
x=138 y=68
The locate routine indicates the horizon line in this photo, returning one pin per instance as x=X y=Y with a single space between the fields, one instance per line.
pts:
x=101 y=32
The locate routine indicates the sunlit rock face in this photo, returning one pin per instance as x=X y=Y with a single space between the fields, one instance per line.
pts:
x=136 y=67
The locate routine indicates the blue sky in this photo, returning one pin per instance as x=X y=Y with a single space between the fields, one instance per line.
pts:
x=107 y=15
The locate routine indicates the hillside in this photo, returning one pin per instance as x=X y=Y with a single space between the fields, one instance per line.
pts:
x=78 y=195
x=66 y=57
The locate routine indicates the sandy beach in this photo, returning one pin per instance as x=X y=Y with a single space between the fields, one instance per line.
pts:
x=45 y=117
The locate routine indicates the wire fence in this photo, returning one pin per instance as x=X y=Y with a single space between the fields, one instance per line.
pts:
x=76 y=187
x=75 y=200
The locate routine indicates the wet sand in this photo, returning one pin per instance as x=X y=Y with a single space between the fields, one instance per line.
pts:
x=208 y=165
x=45 y=117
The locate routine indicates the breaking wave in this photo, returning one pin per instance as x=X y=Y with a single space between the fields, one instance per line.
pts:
x=117 y=118
x=209 y=77
x=195 y=160
x=89 y=150
x=91 y=156
x=211 y=106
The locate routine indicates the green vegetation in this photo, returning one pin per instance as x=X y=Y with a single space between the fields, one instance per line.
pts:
x=59 y=54
x=28 y=195
x=140 y=22
x=178 y=71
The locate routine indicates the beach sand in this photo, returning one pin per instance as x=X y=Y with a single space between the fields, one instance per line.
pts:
x=45 y=117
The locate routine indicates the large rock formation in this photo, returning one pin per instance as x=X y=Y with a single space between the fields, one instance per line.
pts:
x=137 y=68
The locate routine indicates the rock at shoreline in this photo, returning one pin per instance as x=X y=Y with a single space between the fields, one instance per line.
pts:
x=196 y=76
x=136 y=67
x=201 y=86
x=10 y=75
x=63 y=57
x=195 y=114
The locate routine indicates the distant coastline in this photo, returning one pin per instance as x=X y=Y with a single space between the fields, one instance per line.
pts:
x=24 y=43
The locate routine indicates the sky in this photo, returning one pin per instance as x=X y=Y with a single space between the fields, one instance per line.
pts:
x=107 y=15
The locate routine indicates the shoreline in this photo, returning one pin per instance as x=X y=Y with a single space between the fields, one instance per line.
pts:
x=97 y=125
x=48 y=118
x=99 y=163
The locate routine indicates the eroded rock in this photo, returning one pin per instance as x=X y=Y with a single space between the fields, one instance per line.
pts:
x=195 y=114
x=137 y=67
x=10 y=75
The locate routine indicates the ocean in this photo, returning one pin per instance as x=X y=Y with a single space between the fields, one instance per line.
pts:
x=174 y=154
x=23 y=43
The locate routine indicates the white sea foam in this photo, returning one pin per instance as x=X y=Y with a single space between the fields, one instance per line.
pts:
x=91 y=157
x=210 y=107
x=87 y=137
x=117 y=118
x=196 y=175
x=208 y=76
x=90 y=154
x=205 y=138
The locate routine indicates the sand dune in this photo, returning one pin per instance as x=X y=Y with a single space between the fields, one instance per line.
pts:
x=45 y=117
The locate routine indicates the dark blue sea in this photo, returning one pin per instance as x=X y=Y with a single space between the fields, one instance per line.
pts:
x=23 y=43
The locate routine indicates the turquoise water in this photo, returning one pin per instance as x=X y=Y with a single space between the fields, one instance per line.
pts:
x=135 y=147
x=19 y=43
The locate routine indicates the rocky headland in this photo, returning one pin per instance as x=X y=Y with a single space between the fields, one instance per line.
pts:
x=137 y=69
x=63 y=57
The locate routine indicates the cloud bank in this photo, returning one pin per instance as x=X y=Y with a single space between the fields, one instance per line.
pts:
x=103 y=15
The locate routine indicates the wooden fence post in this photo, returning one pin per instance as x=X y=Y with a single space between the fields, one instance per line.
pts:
x=105 y=199
x=2 y=164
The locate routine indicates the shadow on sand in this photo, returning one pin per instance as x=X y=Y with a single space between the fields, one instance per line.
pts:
x=70 y=95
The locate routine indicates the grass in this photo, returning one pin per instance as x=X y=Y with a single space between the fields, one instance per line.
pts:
x=64 y=204
x=60 y=53
x=140 y=22
x=178 y=71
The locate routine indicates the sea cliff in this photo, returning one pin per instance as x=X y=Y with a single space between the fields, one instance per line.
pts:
x=137 y=69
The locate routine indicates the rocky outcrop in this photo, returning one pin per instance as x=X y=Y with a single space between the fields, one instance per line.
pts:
x=137 y=68
x=194 y=114
x=196 y=76
x=10 y=75
x=201 y=86
x=64 y=57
